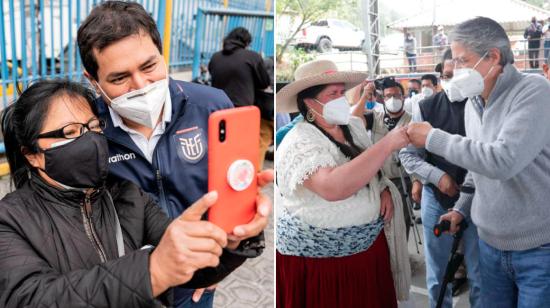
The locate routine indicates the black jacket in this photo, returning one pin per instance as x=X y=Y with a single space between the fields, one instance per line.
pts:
x=50 y=255
x=449 y=117
x=239 y=72
x=533 y=33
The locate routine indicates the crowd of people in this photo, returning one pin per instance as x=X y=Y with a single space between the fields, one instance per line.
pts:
x=475 y=146
x=536 y=36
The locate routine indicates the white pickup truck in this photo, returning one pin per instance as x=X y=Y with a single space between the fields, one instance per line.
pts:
x=325 y=34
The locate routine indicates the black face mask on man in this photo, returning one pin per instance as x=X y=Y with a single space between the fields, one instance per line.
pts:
x=80 y=163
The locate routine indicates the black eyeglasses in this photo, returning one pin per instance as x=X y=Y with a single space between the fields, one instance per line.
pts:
x=75 y=130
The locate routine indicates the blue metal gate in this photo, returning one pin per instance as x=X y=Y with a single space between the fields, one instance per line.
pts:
x=214 y=24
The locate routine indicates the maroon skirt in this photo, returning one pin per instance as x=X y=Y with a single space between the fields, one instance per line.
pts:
x=360 y=280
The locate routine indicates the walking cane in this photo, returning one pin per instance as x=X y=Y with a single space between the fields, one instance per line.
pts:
x=456 y=257
x=416 y=233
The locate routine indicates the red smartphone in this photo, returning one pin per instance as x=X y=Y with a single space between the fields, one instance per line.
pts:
x=233 y=159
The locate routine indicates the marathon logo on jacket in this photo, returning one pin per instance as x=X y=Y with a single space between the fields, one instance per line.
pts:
x=121 y=157
x=191 y=144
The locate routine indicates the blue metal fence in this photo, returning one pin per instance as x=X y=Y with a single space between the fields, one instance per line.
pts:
x=38 y=37
x=214 y=24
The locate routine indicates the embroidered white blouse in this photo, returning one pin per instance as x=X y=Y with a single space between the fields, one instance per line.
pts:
x=304 y=151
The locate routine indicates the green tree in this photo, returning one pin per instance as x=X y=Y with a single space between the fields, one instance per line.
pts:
x=305 y=11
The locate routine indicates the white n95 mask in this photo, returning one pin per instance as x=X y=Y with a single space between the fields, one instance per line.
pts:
x=393 y=105
x=452 y=92
x=468 y=81
x=336 y=111
x=142 y=106
x=427 y=92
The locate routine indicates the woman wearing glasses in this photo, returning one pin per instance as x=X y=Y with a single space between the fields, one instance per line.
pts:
x=69 y=237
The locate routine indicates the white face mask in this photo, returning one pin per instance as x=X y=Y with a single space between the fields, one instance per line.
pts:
x=336 y=111
x=468 y=81
x=393 y=105
x=452 y=92
x=427 y=92
x=142 y=106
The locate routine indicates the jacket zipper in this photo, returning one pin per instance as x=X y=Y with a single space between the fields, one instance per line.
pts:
x=86 y=211
x=162 y=197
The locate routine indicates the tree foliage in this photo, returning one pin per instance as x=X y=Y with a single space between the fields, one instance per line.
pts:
x=304 y=11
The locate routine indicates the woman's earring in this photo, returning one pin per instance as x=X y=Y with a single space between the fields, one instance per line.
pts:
x=310 y=116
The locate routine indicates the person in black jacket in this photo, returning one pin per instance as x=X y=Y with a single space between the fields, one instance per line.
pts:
x=238 y=71
x=70 y=237
x=242 y=74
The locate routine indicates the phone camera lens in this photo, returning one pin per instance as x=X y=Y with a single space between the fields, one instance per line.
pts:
x=222 y=131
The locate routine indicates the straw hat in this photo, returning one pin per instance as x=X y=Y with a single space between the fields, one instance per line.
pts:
x=311 y=74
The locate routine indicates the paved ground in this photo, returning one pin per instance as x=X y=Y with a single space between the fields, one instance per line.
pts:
x=418 y=289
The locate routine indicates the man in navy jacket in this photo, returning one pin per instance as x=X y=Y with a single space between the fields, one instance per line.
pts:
x=157 y=127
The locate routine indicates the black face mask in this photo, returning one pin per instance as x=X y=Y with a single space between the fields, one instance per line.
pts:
x=82 y=163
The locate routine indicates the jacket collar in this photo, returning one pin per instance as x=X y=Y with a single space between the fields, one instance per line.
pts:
x=72 y=198
x=509 y=77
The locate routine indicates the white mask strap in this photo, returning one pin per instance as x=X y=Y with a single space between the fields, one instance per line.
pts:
x=479 y=61
x=318 y=102
x=489 y=72
x=103 y=92
x=475 y=65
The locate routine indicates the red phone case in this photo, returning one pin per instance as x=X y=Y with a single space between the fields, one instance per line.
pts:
x=232 y=161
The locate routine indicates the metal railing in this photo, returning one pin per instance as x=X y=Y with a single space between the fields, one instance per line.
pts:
x=427 y=57
x=396 y=63
x=184 y=24
x=214 y=24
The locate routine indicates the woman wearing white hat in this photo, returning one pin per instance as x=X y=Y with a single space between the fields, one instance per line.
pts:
x=331 y=246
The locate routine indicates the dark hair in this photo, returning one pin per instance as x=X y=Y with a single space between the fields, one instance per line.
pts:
x=389 y=82
x=310 y=92
x=351 y=150
x=22 y=121
x=109 y=23
x=447 y=55
x=237 y=38
x=240 y=34
x=430 y=77
x=416 y=81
